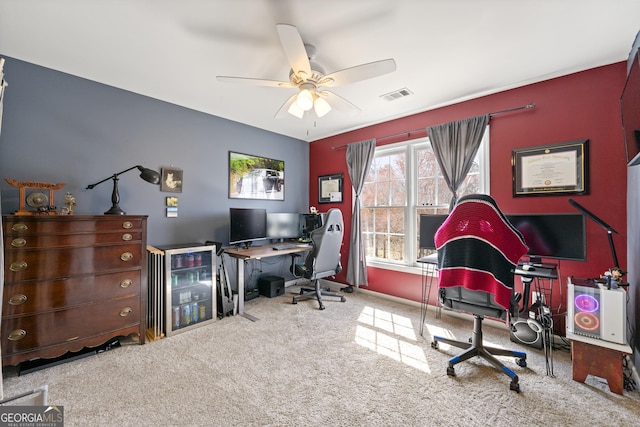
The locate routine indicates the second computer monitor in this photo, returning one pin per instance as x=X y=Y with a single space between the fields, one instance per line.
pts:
x=284 y=226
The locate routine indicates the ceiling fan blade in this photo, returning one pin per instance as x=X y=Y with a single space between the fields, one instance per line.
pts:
x=338 y=102
x=254 y=82
x=358 y=73
x=284 y=110
x=294 y=50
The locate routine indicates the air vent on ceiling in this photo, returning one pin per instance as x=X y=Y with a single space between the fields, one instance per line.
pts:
x=396 y=94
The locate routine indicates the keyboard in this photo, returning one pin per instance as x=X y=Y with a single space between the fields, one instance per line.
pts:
x=284 y=246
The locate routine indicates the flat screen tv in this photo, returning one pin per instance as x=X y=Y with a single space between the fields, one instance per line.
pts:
x=630 y=110
x=247 y=226
x=284 y=226
x=557 y=236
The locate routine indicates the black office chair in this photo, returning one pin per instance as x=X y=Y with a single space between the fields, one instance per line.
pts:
x=478 y=250
x=324 y=259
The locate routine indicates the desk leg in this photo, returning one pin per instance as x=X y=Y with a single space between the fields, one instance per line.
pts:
x=427 y=280
x=240 y=279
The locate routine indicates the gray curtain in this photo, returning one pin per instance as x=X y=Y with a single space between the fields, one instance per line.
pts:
x=455 y=145
x=359 y=158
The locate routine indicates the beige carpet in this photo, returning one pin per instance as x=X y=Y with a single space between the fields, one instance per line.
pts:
x=358 y=363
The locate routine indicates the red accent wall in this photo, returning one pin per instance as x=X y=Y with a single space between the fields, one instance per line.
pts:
x=583 y=105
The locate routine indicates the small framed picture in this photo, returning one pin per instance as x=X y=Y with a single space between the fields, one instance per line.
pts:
x=330 y=188
x=172 y=212
x=171 y=180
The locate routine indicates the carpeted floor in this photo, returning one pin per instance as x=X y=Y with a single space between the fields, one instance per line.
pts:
x=357 y=363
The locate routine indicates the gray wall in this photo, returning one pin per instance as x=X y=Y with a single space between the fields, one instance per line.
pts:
x=63 y=129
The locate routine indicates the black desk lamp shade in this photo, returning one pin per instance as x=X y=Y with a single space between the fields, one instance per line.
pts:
x=148 y=175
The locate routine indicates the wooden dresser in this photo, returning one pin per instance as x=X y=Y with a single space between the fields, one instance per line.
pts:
x=71 y=282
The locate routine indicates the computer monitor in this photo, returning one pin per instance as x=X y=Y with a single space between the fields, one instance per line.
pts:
x=557 y=236
x=283 y=226
x=429 y=224
x=247 y=226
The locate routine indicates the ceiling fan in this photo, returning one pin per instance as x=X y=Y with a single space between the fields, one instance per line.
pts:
x=310 y=80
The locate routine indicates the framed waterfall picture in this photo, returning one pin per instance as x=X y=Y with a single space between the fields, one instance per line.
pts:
x=254 y=177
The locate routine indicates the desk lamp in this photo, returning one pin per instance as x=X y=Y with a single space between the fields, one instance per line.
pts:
x=610 y=231
x=148 y=175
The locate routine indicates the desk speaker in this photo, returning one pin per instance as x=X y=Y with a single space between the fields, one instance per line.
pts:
x=271 y=286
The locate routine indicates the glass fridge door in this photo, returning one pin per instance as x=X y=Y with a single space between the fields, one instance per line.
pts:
x=190 y=283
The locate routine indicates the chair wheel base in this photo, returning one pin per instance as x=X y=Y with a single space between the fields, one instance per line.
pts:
x=294 y=301
x=434 y=344
x=522 y=362
x=451 y=371
x=515 y=386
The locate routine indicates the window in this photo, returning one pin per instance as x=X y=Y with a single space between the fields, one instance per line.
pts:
x=403 y=182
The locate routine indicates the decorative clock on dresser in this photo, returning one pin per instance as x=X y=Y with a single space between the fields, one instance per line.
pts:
x=71 y=281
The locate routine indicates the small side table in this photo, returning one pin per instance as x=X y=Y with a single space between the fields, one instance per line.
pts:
x=602 y=359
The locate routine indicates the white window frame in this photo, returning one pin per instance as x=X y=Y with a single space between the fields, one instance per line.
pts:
x=411 y=219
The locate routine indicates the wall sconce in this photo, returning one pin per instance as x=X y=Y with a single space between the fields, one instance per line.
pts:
x=148 y=175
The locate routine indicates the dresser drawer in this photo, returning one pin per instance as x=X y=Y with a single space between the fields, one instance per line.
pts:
x=30 y=264
x=41 y=296
x=22 y=225
x=61 y=240
x=66 y=326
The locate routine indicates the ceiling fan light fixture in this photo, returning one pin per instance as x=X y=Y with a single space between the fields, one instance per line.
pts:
x=294 y=110
x=321 y=106
x=304 y=100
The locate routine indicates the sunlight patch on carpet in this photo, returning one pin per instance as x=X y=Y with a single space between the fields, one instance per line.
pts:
x=441 y=332
x=389 y=334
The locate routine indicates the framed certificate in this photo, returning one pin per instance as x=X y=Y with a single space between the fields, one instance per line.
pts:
x=555 y=169
x=330 y=188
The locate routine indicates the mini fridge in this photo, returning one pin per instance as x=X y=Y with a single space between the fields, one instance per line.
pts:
x=190 y=286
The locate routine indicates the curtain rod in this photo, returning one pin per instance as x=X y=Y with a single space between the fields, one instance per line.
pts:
x=409 y=132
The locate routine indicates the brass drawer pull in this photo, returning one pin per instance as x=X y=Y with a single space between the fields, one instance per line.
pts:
x=18 y=266
x=18 y=243
x=19 y=227
x=126 y=283
x=17 y=334
x=126 y=256
x=18 y=299
x=126 y=237
x=72 y=339
x=127 y=225
x=125 y=311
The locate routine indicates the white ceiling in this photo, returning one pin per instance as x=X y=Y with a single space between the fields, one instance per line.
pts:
x=446 y=51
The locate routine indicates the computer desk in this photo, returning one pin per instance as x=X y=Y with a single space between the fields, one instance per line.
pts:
x=257 y=252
